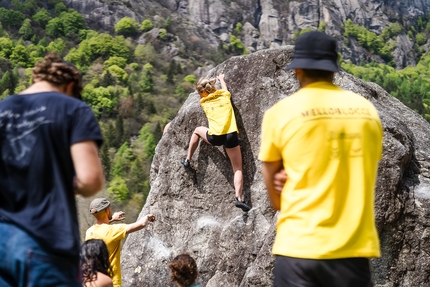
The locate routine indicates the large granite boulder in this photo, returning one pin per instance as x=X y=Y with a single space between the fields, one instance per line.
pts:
x=194 y=207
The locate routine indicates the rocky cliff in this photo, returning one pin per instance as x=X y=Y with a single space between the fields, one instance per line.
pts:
x=194 y=207
x=266 y=23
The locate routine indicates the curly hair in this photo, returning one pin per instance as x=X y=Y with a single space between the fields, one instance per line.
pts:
x=184 y=270
x=56 y=71
x=94 y=258
x=206 y=85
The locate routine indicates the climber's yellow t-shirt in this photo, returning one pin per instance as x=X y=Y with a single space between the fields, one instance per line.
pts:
x=219 y=112
x=112 y=236
x=330 y=142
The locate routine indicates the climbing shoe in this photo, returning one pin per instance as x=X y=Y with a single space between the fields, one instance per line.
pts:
x=185 y=162
x=242 y=205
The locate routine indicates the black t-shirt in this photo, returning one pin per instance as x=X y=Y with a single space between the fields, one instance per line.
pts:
x=36 y=167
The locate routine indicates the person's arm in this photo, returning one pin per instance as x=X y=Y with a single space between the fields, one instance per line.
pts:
x=117 y=216
x=269 y=170
x=222 y=82
x=138 y=225
x=89 y=177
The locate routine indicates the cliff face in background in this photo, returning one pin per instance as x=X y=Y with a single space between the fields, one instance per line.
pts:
x=266 y=23
x=194 y=207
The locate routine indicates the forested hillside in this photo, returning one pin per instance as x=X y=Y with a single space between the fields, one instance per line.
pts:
x=137 y=76
x=134 y=89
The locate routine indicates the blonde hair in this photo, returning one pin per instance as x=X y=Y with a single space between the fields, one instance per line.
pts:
x=207 y=85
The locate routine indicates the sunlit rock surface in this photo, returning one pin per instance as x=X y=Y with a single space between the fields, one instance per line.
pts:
x=194 y=207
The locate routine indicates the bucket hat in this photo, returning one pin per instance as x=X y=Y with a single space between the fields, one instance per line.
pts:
x=315 y=50
x=98 y=205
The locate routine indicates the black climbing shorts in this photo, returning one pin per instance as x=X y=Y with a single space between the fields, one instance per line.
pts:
x=298 y=272
x=229 y=140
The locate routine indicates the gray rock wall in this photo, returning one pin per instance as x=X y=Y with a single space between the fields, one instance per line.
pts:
x=194 y=207
x=268 y=23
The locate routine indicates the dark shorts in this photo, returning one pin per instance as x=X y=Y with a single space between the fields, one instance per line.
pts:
x=228 y=140
x=346 y=272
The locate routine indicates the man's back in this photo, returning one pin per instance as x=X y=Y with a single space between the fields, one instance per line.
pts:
x=36 y=167
x=330 y=142
x=112 y=236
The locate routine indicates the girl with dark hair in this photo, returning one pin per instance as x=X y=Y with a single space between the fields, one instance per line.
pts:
x=96 y=268
x=184 y=271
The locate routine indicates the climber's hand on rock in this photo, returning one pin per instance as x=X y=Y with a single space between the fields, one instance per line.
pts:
x=151 y=217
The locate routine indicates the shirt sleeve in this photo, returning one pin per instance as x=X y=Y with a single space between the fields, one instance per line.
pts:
x=268 y=149
x=84 y=126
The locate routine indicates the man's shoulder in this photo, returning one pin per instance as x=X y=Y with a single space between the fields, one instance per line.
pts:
x=47 y=99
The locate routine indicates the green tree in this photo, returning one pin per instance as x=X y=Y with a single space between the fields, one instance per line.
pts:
x=237 y=45
x=421 y=39
x=322 y=25
x=190 y=79
x=55 y=28
x=59 y=8
x=114 y=60
x=137 y=176
x=6 y=47
x=107 y=79
x=148 y=140
x=118 y=189
x=145 y=53
x=162 y=34
x=171 y=68
x=5 y=82
x=72 y=21
x=119 y=131
x=20 y=56
x=237 y=29
x=146 y=25
x=42 y=17
x=99 y=99
x=105 y=159
x=119 y=73
x=26 y=31
x=127 y=26
x=56 y=46
x=11 y=18
x=147 y=83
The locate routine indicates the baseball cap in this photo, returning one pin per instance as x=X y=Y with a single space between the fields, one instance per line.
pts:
x=98 y=205
x=315 y=50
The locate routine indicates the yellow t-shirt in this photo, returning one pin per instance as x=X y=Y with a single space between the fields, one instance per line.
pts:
x=219 y=111
x=330 y=142
x=112 y=236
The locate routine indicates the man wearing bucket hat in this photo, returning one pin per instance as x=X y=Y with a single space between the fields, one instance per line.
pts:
x=112 y=234
x=320 y=149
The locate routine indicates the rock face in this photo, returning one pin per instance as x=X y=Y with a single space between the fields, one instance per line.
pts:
x=266 y=23
x=194 y=207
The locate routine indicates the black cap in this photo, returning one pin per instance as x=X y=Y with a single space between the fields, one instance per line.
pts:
x=315 y=50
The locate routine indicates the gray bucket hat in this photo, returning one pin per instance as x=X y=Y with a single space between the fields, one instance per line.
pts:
x=98 y=205
x=315 y=50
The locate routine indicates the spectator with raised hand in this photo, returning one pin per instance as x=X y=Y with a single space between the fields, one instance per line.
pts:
x=49 y=142
x=113 y=234
x=222 y=130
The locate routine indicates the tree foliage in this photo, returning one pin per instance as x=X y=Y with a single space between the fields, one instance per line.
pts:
x=146 y=25
x=127 y=26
